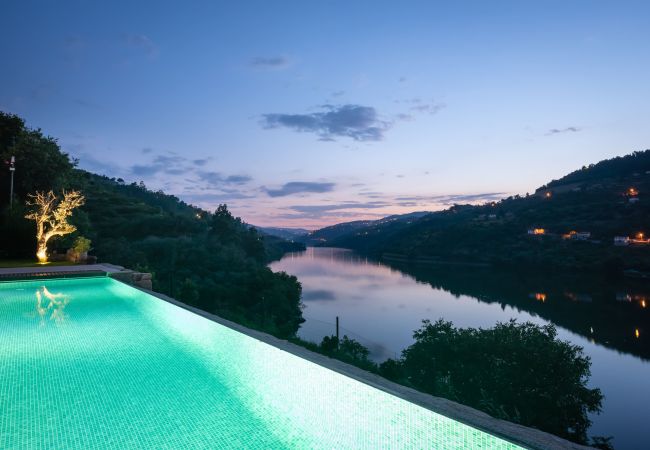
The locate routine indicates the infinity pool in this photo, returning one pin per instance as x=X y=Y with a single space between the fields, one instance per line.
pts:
x=92 y=363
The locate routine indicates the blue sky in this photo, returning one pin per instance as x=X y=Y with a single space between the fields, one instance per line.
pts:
x=303 y=113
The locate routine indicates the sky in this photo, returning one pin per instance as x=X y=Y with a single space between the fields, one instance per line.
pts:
x=306 y=114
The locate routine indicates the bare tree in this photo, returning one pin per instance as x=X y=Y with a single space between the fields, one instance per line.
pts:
x=51 y=217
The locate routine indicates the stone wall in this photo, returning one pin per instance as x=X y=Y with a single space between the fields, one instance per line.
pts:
x=138 y=279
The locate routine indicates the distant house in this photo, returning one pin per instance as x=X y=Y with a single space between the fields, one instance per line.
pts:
x=539 y=296
x=577 y=235
x=537 y=231
x=584 y=298
x=623 y=297
x=621 y=240
x=640 y=239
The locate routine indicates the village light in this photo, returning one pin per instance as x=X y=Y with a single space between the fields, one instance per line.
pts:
x=632 y=191
x=640 y=235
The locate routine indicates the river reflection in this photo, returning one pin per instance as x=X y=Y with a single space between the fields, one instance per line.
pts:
x=380 y=305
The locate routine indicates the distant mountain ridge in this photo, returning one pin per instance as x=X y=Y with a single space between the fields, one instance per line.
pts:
x=290 y=234
x=333 y=232
x=603 y=201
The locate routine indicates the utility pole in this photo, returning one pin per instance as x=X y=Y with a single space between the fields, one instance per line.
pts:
x=12 y=169
x=337 y=332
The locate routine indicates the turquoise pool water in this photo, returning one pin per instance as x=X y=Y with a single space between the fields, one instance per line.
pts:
x=95 y=364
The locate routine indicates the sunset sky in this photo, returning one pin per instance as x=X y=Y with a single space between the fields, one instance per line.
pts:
x=304 y=114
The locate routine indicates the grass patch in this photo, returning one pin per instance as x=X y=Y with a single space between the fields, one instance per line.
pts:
x=11 y=263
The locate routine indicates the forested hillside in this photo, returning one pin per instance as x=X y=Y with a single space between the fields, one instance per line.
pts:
x=210 y=260
x=609 y=199
x=329 y=234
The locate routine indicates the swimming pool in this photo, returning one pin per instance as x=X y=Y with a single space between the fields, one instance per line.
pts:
x=95 y=364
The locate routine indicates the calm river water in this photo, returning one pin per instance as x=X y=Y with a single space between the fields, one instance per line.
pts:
x=380 y=306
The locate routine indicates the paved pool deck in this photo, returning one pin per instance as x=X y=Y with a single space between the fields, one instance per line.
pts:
x=54 y=270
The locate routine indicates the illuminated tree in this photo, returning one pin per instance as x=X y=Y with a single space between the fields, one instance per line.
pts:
x=51 y=217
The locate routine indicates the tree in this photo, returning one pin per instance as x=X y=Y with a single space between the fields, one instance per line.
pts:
x=224 y=225
x=40 y=163
x=51 y=217
x=515 y=371
x=189 y=292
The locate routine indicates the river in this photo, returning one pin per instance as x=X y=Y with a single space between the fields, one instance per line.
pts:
x=381 y=305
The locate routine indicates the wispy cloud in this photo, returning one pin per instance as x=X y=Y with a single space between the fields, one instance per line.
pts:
x=141 y=42
x=210 y=199
x=420 y=106
x=361 y=123
x=171 y=164
x=448 y=199
x=270 y=62
x=216 y=178
x=428 y=108
x=337 y=207
x=553 y=131
x=237 y=179
x=299 y=187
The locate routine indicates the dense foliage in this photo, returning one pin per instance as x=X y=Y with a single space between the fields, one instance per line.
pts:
x=212 y=261
x=593 y=199
x=42 y=165
x=515 y=371
x=519 y=372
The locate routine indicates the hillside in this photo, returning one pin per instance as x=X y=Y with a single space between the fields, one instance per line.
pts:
x=213 y=261
x=608 y=199
x=329 y=234
x=289 y=234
